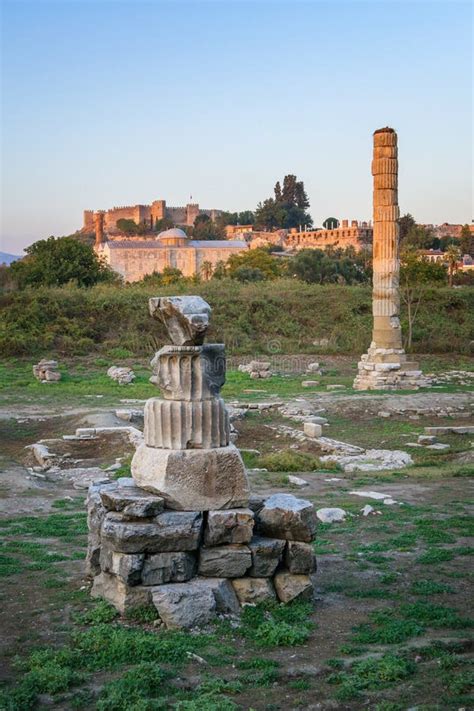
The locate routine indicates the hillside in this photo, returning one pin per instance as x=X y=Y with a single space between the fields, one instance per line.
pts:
x=6 y=258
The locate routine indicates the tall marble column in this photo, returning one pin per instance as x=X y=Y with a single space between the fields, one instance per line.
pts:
x=385 y=365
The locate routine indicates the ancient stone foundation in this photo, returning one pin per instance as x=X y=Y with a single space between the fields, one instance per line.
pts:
x=183 y=533
x=385 y=365
x=194 y=565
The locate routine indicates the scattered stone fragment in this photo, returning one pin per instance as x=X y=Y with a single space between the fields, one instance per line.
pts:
x=285 y=516
x=266 y=554
x=377 y=495
x=123 y=376
x=312 y=429
x=384 y=413
x=251 y=591
x=331 y=515
x=368 y=509
x=309 y=383
x=171 y=567
x=335 y=387
x=293 y=587
x=372 y=460
x=299 y=558
x=122 y=596
x=186 y=318
x=426 y=439
x=230 y=561
x=297 y=481
x=229 y=526
x=47 y=371
x=464 y=429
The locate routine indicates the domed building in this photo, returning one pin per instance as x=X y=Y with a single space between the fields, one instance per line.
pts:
x=135 y=257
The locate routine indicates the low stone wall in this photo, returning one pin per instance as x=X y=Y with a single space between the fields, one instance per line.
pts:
x=194 y=565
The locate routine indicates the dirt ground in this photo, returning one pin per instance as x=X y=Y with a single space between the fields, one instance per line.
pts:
x=365 y=564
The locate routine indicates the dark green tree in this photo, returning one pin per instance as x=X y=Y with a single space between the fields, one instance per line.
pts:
x=57 y=261
x=254 y=259
x=331 y=223
x=414 y=236
x=205 y=229
x=277 y=191
x=467 y=241
x=316 y=266
x=417 y=275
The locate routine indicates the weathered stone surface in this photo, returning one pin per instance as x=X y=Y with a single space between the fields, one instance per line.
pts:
x=285 y=516
x=185 y=605
x=172 y=567
x=170 y=531
x=95 y=516
x=132 y=501
x=228 y=526
x=251 y=591
x=224 y=594
x=256 y=502
x=372 y=460
x=119 y=594
x=123 y=376
x=448 y=429
x=186 y=318
x=293 y=587
x=126 y=566
x=300 y=558
x=47 y=370
x=231 y=561
x=312 y=429
x=202 y=479
x=331 y=515
x=179 y=424
x=266 y=554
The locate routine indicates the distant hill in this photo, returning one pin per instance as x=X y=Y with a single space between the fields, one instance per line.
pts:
x=6 y=258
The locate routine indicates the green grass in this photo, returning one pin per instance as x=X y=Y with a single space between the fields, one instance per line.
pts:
x=429 y=587
x=371 y=674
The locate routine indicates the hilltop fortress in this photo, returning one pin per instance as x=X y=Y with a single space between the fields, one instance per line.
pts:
x=148 y=215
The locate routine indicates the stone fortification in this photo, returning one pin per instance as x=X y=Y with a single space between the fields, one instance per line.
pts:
x=183 y=534
x=385 y=365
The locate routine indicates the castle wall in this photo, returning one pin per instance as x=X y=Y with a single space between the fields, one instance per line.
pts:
x=356 y=236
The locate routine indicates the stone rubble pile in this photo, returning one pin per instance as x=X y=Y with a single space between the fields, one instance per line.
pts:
x=47 y=371
x=183 y=534
x=257 y=369
x=192 y=565
x=123 y=376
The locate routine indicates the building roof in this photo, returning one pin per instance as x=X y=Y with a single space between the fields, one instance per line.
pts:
x=173 y=232
x=156 y=244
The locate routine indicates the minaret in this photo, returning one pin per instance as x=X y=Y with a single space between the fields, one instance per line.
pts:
x=99 y=228
x=384 y=366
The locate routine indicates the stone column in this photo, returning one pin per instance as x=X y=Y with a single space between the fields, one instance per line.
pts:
x=99 y=228
x=187 y=457
x=385 y=365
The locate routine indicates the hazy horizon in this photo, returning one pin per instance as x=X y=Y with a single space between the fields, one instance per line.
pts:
x=116 y=103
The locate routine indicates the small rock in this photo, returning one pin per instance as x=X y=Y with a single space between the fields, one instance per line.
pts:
x=384 y=413
x=293 y=587
x=312 y=429
x=331 y=515
x=297 y=481
x=309 y=383
x=251 y=591
x=368 y=509
x=123 y=376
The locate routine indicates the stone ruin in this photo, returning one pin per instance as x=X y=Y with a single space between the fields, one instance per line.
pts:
x=184 y=534
x=257 y=369
x=385 y=365
x=47 y=371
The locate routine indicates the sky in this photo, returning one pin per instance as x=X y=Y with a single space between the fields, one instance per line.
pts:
x=110 y=103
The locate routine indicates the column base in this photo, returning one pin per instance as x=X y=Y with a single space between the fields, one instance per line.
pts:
x=389 y=369
x=193 y=479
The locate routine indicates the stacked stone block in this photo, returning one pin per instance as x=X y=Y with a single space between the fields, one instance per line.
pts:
x=47 y=371
x=385 y=365
x=194 y=565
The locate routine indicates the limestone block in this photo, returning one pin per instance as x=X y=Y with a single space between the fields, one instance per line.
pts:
x=95 y=516
x=186 y=425
x=126 y=566
x=131 y=500
x=293 y=587
x=385 y=138
x=309 y=383
x=52 y=376
x=300 y=558
x=185 y=605
x=170 y=531
x=229 y=526
x=122 y=596
x=285 y=516
x=186 y=318
x=190 y=372
x=171 y=567
x=251 y=591
x=203 y=479
x=266 y=554
x=312 y=429
x=386 y=213
x=383 y=198
x=224 y=594
x=386 y=367
x=385 y=152
x=231 y=561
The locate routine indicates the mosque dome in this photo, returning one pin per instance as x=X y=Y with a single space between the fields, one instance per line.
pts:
x=173 y=236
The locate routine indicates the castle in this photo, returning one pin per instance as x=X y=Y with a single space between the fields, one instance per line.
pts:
x=148 y=215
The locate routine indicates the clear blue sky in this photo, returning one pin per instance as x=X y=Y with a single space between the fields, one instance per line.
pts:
x=113 y=103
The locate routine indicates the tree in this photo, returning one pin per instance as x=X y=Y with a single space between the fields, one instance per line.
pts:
x=316 y=266
x=331 y=223
x=417 y=275
x=245 y=274
x=452 y=257
x=130 y=227
x=254 y=259
x=413 y=235
x=467 y=241
x=57 y=261
x=277 y=191
x=287 y=209
x=206 y=270
x=205 y=229
x=269 y=214
x=161 y=225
